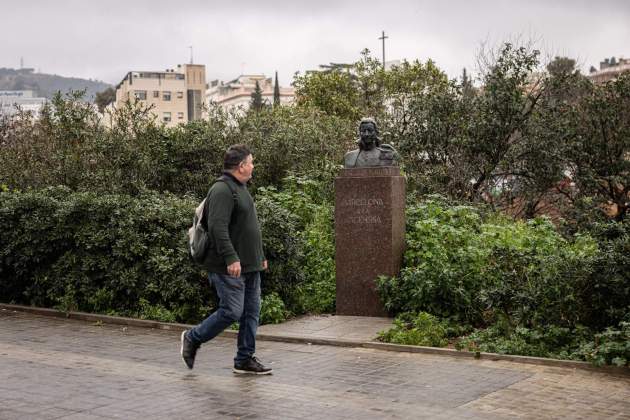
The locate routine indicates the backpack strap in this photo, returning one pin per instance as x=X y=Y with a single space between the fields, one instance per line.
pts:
x=227 y=182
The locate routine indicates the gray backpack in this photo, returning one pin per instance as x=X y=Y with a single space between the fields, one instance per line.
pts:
x=199 y=239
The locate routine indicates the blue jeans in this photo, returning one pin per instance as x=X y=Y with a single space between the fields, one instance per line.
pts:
x=239 y=300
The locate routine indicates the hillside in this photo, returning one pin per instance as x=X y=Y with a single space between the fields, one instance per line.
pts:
x=46 y=85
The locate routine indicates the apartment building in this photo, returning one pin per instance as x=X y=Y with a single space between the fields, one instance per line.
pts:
x=175 y=95
x=13 y=100
x=609 y=69
x=237 y=93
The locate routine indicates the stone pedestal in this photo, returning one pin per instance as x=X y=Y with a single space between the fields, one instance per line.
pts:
x=369 y=235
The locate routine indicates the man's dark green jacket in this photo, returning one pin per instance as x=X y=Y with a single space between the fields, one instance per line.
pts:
x=233 y=228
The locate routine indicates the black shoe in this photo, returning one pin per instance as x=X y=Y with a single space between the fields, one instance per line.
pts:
x=188 y=350
x=252 y=366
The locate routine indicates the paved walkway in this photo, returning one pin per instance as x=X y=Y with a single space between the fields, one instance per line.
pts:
x=329 y=327
x=58 y=368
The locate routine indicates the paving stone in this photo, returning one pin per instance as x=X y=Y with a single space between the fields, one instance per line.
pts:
x=59 y=368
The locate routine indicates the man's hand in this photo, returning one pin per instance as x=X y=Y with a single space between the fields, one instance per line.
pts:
x=234 y=269
x=265 y=265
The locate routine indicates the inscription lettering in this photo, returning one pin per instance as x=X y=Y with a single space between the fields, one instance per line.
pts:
x=365 y=219
x=362 y=202
x=362 y=208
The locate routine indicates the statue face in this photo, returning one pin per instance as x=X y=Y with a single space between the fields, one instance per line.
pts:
x=368 y=133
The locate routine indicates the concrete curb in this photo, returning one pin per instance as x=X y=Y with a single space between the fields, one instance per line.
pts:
x=142 y=323
x=488 y=356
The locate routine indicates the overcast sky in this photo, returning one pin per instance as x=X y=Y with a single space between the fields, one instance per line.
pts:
x=105 y=39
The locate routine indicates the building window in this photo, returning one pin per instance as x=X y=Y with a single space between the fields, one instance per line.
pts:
x=166 y=95
x=156 y=93
x=141 y=95
x=166 y=117
x=180 y=95
x=180 y=115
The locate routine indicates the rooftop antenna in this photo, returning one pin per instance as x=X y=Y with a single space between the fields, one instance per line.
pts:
x=21 y=62
x=191 y=54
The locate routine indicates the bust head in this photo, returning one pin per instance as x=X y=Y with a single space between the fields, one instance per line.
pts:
x=371 y=151
x=368 y=134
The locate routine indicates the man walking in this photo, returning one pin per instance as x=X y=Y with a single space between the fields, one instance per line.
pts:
x=234 y=261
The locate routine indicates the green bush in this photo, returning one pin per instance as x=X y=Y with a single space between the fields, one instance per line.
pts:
x=612 y=346
x=292 y=140
x=124 y=255
x=609 y=347
x=474 y=268
x=548 y=341
x=155 y=312
x=606 y=293
x=99 y=253
x=69 y=146
x=312 y=224
x=318 y=292
x=272 y=309
x=419 y=329
x=283 y=247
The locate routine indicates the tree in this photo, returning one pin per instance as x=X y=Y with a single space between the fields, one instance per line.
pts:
x=467 y=84
x=544 y=186
x=404 y=91
x=469 y=144
x=493 y=142
x=276 y=92
x=599 y=150
x=104 y=98
x=256 y=102
x=332 y=92
x=561 y=66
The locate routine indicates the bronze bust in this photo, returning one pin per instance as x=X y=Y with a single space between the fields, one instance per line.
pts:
x=370 y=152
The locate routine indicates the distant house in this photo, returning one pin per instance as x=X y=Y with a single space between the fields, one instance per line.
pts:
x=237 y=93
x=12 y=100
x=176 y=95
x=609 y=69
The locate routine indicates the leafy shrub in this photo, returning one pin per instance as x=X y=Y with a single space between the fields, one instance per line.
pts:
x=609 y=347
x=313 y=219
x=293 y=140
x=124 y=255
x=272 y=310
x=283 y=248
x=155 y=312
x=606 y=293
x=475 y=269
x=548 y=341
x=612 y=346
x=69 y=146
x=98 y=253
x=420 y=329
x=320 y=286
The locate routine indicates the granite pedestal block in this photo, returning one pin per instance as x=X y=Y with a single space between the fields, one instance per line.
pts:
x=369 y=235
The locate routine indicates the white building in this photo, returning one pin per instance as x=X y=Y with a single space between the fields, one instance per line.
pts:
x=238 y=92
x=12 y=100
x=609 y=69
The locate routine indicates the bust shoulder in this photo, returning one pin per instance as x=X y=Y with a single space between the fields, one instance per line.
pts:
x=387 y=155
x=387 y=148
x=350 y=158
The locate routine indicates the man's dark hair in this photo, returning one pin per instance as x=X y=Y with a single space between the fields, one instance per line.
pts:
x=234 y=156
